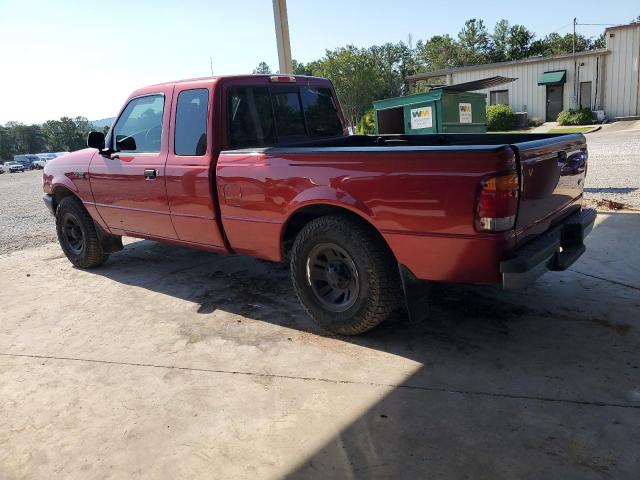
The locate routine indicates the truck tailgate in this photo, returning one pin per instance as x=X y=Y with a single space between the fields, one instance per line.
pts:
x=552 y=173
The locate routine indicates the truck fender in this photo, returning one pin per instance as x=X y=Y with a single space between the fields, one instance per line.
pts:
x=324 y=195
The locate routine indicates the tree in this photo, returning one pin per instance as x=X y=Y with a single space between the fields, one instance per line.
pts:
x=300 y=68
x=25 y=138
x=262 y=68
x=440 y=51
x=519 y=43
x=600 y=41
x=7 y=143
x=396 y=62
x=473 y=42
x=555 y=44
x=356 y=76
x=499 y=41
x=66 y=134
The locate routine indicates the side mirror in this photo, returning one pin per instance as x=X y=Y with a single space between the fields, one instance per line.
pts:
x=95 y=140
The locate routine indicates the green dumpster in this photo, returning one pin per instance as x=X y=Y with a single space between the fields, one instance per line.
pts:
x=436 y=111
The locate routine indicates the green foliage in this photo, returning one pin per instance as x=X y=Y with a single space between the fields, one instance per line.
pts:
x=66 y=134
x=519 y=43
x=500 y=118
x=535 y=122
x=262 y=68
x=583 y=116
x=367 y=124
x=473 y=43
x=300 y=68
x=555 y=44
x=395 y=61
x=436 y=53
x=356 y=76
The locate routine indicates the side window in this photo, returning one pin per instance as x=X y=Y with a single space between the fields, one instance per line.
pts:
x=288 y=112
x=139 y=128
x=250 y=118
x=191 y=122
x=321 y=112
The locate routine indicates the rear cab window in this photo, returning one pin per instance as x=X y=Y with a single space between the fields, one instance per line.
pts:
x=191 y=122
x=261 y=116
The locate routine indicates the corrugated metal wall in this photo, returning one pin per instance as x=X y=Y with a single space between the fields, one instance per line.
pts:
x=622 y=91
x=526 y=95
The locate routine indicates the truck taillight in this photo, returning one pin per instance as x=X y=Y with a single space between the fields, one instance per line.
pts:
x=497 y=203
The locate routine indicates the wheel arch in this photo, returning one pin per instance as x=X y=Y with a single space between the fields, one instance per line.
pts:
x=309 y=212
x=61 y=191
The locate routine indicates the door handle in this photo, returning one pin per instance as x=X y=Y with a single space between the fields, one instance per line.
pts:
x=150 y=173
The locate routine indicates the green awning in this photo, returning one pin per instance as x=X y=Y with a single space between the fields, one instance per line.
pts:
x=553 y=78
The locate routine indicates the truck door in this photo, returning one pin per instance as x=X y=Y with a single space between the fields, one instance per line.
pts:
x=129 y=185
x=190 y=178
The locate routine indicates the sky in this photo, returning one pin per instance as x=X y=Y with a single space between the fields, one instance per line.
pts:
x=62 y=57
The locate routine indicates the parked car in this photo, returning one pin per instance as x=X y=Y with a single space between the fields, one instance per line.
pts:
x=13 y=167
x=263 y=166
x=1 y=169
x=39 y=164
x=26 y=160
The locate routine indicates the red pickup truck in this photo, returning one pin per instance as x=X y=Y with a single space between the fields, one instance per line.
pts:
x=263 y=165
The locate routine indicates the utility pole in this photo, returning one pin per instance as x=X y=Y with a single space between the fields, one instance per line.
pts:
x=575 y=66
x=282 y=36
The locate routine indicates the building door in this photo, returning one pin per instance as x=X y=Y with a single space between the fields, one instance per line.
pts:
x=585 y=94
x=554 y=102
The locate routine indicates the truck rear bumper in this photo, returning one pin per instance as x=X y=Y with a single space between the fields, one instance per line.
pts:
x=554 y=250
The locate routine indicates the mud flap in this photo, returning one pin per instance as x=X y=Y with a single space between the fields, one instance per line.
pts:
x=110 y=243
x=416 y=295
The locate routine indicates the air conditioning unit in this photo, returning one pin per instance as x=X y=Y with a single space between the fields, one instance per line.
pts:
x=522 y=119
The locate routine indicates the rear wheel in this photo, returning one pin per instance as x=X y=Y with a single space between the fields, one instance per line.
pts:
x=77 y=234
x=344 y=275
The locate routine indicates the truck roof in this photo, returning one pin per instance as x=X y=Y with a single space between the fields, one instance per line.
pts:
x=216 y=78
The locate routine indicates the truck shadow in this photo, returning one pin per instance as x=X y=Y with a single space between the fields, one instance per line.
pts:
x=509 y=383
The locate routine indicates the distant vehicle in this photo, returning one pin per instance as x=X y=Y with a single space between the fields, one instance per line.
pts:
x=13 y=167
x=1 y=169
x=40 y=163
x=26 y=160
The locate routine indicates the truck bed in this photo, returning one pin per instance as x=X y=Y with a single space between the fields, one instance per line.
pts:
x=419 y=191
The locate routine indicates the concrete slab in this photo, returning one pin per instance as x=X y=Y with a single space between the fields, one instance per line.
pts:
x=172 y=363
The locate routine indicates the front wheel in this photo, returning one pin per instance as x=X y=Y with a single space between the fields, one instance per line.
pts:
x=77 y=234
x=344 y=275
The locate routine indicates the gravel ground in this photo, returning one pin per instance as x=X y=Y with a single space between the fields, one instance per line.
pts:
x=24 y=219
x=613 y=176
x=614 y=165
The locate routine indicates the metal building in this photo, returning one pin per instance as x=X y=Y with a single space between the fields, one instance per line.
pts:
x=605 y=80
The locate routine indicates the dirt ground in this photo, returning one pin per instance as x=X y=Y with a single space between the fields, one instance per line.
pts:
x=173 y=363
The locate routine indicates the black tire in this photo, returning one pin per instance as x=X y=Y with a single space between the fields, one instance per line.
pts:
x=77 y=234
x=327 y=255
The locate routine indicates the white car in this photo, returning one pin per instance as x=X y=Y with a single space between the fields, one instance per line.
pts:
x=1 y=169
x=13 y=167
x=39 y=164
